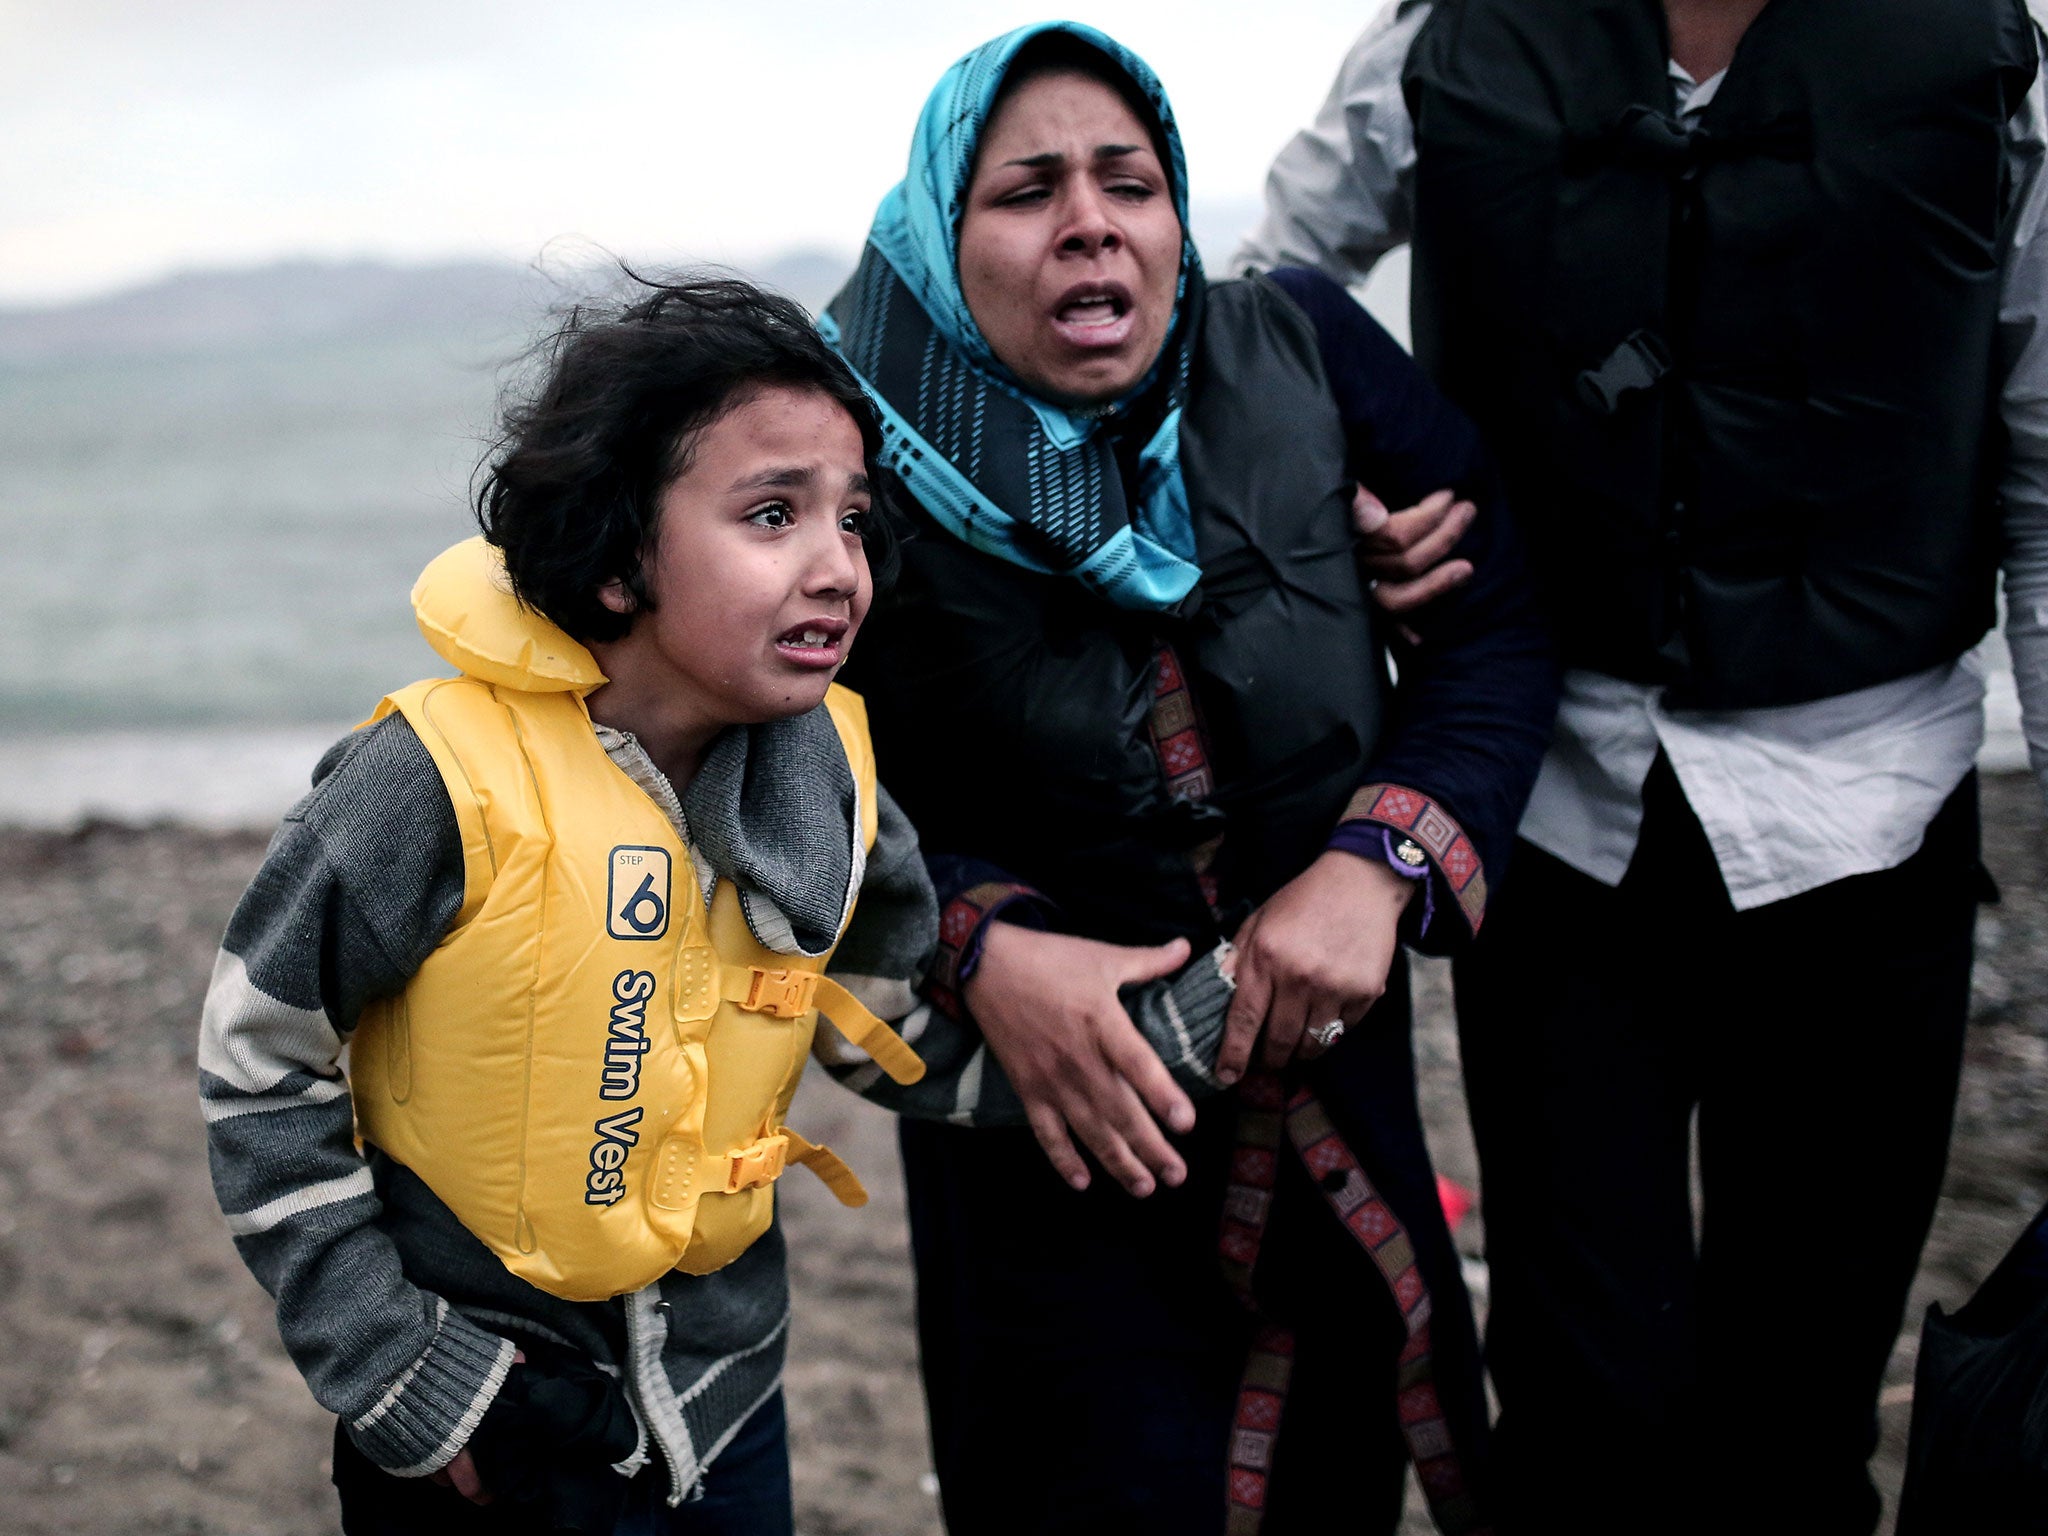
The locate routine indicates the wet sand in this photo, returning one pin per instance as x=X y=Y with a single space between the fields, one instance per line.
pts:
x=142 y=1387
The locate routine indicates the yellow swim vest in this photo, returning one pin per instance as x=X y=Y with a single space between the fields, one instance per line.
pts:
x=592 y=1068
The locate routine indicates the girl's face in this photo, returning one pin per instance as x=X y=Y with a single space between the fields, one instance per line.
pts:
x=758 y=573
x=1070 y=246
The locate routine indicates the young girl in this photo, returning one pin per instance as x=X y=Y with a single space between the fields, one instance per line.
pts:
x=568 y=914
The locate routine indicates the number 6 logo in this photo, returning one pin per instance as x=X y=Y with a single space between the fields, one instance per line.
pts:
x=638 y=896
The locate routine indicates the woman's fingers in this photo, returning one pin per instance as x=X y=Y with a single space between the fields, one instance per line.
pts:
x=1151 y=964
x=1127 y=1160
x=1147 y=1078
x=1286 y=1021
x=1247 y=1007
x=1051 y=1130
x=1104 y=1108
x=1092 y=1102
x=1407 y=596
x=1132 y=1058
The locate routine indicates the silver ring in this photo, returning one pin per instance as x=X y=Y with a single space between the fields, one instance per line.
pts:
x=1327 y=1035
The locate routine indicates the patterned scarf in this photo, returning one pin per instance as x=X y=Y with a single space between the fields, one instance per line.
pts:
x=1020 y=478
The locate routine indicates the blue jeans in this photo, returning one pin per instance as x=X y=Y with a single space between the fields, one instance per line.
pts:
x=746 y=1493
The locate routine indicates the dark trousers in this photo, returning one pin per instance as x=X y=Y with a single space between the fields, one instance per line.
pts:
x=1082 y=1352
x=1646 y=1383
x=746 y=1493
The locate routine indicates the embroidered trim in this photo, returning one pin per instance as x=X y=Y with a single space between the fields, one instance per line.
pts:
x=1265 y=1112
x=959 y=924
x=1183 y=752
x=1450 y=850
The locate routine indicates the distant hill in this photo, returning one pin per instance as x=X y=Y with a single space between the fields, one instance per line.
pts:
x=308 y=301
x=249 y=310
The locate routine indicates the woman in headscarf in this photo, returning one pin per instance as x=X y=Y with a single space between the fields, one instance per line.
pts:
x=1131 y=690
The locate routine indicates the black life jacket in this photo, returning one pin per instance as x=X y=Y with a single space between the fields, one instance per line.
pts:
x=1739 y=376
x=1011 y=711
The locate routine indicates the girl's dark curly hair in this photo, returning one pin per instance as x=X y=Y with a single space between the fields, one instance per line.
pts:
x=572 y=488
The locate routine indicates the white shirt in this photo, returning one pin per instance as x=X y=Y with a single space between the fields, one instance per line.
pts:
x=1791 y=798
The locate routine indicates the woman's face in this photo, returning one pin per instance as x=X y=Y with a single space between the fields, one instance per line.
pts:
x=1070 y=246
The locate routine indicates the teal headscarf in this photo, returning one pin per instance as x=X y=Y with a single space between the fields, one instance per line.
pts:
x=1021 y=478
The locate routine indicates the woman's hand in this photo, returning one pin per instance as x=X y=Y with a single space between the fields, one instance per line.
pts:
x=1318 y=950
x=1405 y=552
x=1047 y=1005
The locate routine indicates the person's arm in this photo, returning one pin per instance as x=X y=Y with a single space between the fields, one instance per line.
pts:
x=1464 y=735
x=1472 y=713
x=1338 y=196
x=2023 y=346
x=363 y=877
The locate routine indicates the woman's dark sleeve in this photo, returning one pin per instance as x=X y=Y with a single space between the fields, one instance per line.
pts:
x=1473 y=706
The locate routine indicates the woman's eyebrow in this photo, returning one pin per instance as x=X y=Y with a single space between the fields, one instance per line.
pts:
x=1053 y=157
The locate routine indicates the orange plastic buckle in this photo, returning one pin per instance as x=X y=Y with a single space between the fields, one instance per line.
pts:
x=780 y=994
x=762 y=1163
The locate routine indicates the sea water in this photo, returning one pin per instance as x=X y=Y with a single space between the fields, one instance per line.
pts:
x=205 y=553
x=211 y=552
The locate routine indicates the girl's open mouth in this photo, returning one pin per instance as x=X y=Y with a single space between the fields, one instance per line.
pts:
x=814 y=643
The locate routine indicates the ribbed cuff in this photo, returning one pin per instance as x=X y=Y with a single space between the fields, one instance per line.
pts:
x=1183 y=1021
x=428 y=1414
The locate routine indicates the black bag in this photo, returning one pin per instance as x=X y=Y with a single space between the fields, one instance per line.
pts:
x=1977 y=1459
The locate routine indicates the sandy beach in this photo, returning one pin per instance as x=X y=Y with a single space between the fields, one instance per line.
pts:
x=142 y=1387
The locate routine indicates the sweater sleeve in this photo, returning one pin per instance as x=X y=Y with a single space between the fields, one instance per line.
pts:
x=361 y=881
x=1339 y=194
x=1473 y=707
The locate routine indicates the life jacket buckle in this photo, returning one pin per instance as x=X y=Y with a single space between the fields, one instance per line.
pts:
x=762 y=1163
x=781 y=994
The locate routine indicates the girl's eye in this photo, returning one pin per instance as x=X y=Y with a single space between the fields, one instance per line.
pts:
x=776 y=514
x=855 y=523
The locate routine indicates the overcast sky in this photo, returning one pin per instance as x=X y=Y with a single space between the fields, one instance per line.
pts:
x=150 y=135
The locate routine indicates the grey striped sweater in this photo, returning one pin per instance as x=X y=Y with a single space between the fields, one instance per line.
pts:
x=403 y=1322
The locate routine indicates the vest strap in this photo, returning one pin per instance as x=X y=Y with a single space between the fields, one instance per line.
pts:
x=791 y=993
x=853 y=1020
x=844 y=1183
x=766 y=1160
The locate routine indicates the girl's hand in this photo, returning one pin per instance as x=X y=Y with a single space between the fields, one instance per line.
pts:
x=1318 y=950
x=461 y=1475
x=1047 y=1005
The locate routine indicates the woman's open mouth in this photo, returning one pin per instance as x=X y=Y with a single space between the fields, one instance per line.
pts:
x=814 y=643
x=1095 y=315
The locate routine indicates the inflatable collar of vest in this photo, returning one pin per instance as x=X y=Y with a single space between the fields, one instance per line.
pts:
x=592 y=1068
x=464 y=605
